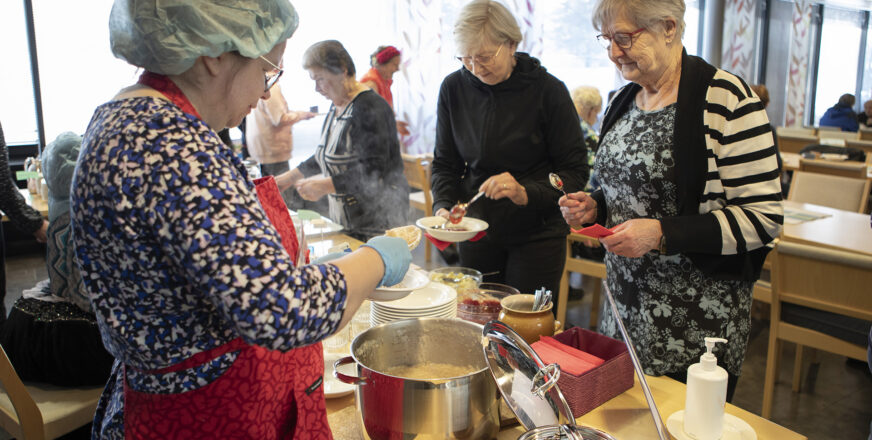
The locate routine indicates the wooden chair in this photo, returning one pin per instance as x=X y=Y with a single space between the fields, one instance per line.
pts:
x=866 y=134
x=417 y=171
x=846 y=135
x=865 y=145
x=852 y=169
x=584 y=266
x=790 y=143
x=795 y=131
x=822 y=279
x=40 y=411
x=846 y=193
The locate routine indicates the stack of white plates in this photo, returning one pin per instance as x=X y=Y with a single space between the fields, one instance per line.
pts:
x=433 y=300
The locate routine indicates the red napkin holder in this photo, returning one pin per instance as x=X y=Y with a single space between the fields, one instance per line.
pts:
x=599 y=385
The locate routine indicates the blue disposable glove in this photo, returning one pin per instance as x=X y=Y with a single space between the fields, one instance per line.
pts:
x=395 y=254
x=329 y=257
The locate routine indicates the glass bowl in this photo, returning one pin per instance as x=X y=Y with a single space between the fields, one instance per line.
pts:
x=484 y=305
x=464 y=280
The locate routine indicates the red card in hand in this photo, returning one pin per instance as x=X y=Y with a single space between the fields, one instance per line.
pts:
x=595 y=231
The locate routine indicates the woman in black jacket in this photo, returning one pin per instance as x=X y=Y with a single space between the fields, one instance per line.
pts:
x=504 y=124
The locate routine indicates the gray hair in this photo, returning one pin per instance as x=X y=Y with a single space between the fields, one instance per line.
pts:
x=647 y=14
x=586 y=98
x=331 y=56
x=482 y=20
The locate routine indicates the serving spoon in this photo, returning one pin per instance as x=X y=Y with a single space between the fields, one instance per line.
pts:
x=459 y=210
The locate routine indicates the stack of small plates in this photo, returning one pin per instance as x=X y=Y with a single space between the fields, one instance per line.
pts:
x=433 y=300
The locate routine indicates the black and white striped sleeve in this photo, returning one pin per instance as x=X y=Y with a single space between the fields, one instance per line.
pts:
x=742 y=189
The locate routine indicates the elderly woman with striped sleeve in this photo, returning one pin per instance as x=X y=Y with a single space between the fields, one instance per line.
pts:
x=689 y=187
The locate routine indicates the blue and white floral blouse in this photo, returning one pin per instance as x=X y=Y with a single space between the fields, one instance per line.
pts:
x=177 y=255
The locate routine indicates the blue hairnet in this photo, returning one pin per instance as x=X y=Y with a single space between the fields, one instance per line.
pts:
x=58 y=163
x=167 y=36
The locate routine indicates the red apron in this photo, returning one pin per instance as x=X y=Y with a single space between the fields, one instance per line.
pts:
x=265 y=394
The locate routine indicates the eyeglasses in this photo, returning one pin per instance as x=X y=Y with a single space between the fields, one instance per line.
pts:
x=624 y=40
x=479 y=60
x=271 y=78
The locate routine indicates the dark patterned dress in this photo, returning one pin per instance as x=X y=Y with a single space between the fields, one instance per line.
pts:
x=178 y=257
x=667 y=304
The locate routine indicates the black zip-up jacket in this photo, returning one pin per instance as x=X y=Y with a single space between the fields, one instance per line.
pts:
x=526 y=125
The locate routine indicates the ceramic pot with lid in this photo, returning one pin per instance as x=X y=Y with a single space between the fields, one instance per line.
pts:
x=393 y=405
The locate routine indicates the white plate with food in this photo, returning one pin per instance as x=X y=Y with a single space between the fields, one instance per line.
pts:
x=414 y=279
x=442 y=229
x=334 y=387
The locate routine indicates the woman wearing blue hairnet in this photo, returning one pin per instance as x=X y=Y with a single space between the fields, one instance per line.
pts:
x=213 y=329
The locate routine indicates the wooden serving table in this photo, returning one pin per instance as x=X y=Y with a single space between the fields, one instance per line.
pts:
x=627 y=416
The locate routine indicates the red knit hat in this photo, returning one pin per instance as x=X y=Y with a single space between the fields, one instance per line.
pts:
x=386 y=54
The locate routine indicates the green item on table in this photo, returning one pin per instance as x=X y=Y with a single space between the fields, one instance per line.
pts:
x=305 y=214
x=24 y=175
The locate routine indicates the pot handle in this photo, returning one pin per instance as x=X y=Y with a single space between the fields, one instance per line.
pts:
x=351 y=380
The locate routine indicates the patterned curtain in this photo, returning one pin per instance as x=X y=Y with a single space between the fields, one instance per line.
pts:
x=738 y=36
x=428 y=49
x=797 y=72
x=420 y=27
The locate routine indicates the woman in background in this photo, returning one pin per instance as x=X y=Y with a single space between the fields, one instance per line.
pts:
x=385 y=62
x=588 y=104
x=357 y=164
x=504 y=123
x=51 y=334
x=22 y=215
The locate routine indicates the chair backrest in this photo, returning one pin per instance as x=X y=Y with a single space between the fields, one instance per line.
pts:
x=37 y=411
x=865 y=145
x=824 y=279
x=866 y=134
x=843 y=168
x=849 y=194
x=847 y=135
x=790 y=143
x=795 y=131
x=415 y=170
x=27 y=417
x=828 y=128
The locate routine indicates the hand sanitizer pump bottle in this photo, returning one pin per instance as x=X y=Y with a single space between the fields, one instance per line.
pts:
x=706 y=396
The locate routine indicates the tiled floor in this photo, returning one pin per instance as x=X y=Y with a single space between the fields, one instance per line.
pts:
x=835 y=403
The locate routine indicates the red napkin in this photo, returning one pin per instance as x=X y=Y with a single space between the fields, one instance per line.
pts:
x=571 y=360
x=595 y=231
x=441 y=245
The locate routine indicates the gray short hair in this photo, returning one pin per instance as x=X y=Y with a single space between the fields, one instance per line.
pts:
x=645 y=13
x=482 y=20
x=331 y=56
x=847 y=100
x=586 y=97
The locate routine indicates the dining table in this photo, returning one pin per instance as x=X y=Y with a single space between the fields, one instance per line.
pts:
x=832 y=228
x=626 y=416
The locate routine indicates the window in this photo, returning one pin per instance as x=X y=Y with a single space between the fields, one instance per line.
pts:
x=76 y=67
x=838 y=60
x=18 y=112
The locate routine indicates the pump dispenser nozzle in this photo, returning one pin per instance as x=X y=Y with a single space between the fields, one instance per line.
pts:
x=708 y=360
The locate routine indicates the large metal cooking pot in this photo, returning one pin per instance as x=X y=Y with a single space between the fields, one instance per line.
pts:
x=464 y=407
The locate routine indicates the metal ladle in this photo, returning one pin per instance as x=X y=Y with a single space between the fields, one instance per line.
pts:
x=556 y=182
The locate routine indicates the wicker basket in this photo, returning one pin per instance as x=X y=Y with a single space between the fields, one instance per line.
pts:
x=600 y=384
